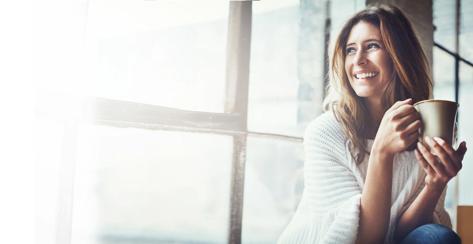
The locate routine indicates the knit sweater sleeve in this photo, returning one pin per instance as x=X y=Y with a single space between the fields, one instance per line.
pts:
x=330 y=206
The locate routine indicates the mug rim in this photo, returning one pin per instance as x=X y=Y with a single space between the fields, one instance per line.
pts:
x=435 y=100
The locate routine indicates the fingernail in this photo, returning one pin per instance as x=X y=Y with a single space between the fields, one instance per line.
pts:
x=428 y=140
x=419 y=144
x=439 y=140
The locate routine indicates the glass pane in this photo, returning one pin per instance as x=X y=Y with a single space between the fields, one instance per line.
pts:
x=140 y=186
x=273 y=187
x=287 y=60
x=466 y=133
x=341 y=11
x=274 y=82
x=168 y=53
x=466 y=30
x=49 y=146
x=444 y=21
x=444 y=88
x=444 y=75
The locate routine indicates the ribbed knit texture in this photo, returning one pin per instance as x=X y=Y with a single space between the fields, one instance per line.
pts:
x=330 y=205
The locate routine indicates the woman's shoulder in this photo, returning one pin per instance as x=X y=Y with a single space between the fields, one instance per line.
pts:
x=325 y=124
x=325 y=130
x=324 y=138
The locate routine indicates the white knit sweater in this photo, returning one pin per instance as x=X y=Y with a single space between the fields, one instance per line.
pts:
x=330 y=205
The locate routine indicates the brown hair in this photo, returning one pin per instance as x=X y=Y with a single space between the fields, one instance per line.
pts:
x=411 y=76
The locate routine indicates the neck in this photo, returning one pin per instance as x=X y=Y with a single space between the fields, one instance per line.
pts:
x=376 y=113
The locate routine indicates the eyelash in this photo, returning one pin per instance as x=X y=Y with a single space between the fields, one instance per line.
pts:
x=369 y=46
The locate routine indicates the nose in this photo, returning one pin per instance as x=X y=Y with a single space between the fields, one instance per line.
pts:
x=360 y=58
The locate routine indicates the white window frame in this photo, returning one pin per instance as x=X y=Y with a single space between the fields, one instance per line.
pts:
x=232 y=122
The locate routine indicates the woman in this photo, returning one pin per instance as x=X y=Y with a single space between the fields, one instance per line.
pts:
x=364 y=182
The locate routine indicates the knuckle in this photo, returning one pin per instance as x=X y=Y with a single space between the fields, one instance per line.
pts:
x=436 y=146
x=397 y=127
x=431 y=158
x=402 y=143
x=406 y=143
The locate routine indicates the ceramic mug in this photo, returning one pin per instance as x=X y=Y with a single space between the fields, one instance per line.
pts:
x=438 y=118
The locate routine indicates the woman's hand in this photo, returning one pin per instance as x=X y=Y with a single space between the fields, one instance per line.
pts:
x=441 y=163
x=398 y=128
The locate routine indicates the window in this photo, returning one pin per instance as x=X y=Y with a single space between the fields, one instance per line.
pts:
x=448 y=59
x=197 y=113
x=167 y=53
x=141 y=186
x=286 y=88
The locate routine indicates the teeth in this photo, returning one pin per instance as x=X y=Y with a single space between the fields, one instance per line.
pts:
x=365 y=75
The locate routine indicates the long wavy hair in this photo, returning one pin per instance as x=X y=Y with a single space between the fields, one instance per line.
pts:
x=411 y=77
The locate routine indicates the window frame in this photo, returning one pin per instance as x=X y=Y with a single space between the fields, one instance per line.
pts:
x=124 y=114
x=232 y=122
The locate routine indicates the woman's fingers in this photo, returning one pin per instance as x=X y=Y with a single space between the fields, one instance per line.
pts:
x=400 y=103
x=423 y=163
x=413 y=127
x=405 y=121
x=404 y=110
x=431 y=160
x=450 y=166
x=461 y=150
x=455 y=156
x=409 y=140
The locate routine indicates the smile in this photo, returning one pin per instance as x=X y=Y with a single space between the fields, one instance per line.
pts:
x=366 y=75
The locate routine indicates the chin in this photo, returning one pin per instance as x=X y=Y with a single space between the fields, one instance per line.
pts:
x=364 y=93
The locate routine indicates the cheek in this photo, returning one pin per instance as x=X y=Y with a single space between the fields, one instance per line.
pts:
x=386 y=64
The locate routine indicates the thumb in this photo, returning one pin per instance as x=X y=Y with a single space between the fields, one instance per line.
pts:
x=461 y=150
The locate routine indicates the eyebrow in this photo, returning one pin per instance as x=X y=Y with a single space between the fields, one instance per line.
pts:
x=368 y=40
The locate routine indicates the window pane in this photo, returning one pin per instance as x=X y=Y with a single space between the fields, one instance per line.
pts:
x=444 y=75
x=341 y=11
x=287 y=60
x=169 y=53
x=140 y=186
x=466 y=30
x=466 y=132
x=278 y=39
x=444 y=88
x=444 y=21
x=273 y=187
x=49 y=145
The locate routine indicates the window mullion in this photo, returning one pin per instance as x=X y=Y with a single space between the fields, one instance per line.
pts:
x=236 y=101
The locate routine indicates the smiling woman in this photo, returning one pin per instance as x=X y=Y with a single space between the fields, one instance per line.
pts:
x=363 y=182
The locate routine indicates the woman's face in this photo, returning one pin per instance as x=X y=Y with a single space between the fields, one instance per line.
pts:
x=367 y=63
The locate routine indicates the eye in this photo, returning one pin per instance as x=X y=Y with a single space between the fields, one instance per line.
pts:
x=350 y=51
x=373 y=46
